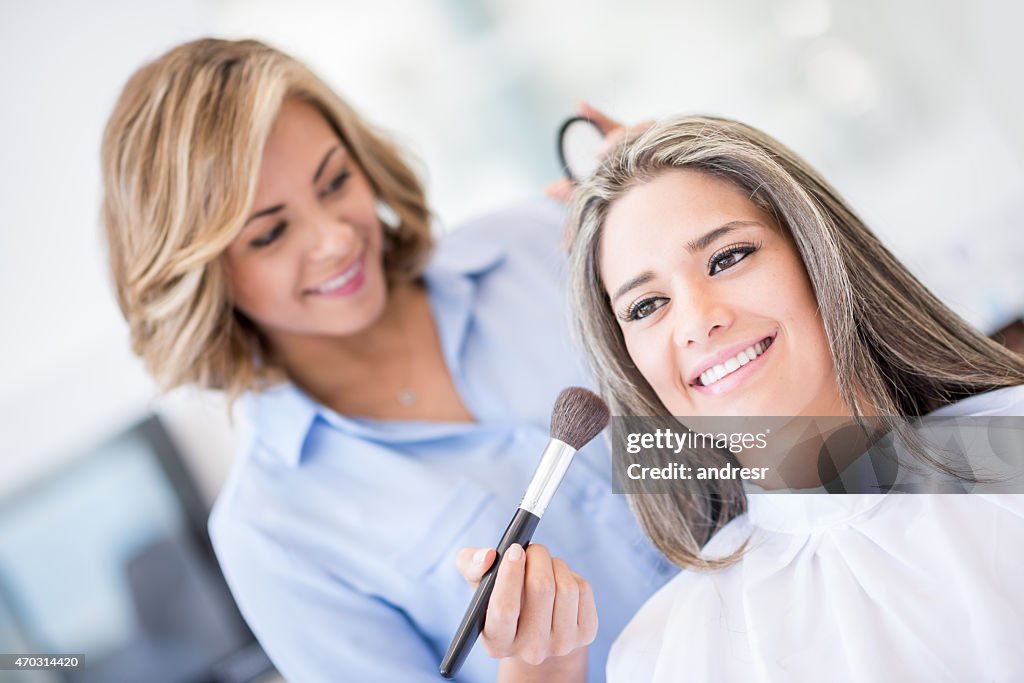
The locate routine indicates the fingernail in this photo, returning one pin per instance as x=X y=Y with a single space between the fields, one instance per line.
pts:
x=480 y=555
x=514 y=553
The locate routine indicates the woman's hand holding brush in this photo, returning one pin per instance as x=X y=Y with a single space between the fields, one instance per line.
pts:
x=530 y=608
x=541 y=615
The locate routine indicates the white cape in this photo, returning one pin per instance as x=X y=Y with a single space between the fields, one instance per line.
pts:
x=922 y=587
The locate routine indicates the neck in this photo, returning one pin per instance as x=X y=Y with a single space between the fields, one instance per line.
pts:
x=331 y=367
x=822 y=442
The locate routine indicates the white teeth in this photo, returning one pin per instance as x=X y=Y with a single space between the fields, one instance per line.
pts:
x=339 y=281
x=717 y=372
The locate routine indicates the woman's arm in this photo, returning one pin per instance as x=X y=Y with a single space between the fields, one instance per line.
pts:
x=541 y=615
x=314 y=627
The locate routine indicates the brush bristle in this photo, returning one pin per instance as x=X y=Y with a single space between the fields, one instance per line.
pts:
x=578 y=416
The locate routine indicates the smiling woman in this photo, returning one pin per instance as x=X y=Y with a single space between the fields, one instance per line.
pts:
x=310 y=266
x=289 y=261
x=217 y=147
x=717 y=274
x=703 y=239
x=732 y=308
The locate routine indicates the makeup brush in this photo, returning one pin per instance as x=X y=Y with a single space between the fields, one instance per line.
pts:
x=578 y=416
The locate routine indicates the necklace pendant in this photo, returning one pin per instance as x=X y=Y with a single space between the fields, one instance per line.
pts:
x=406 y=397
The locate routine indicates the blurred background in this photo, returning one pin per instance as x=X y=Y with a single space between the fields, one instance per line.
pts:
x=913 y=110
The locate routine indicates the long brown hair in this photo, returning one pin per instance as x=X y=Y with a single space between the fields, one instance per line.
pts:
x=895 y=347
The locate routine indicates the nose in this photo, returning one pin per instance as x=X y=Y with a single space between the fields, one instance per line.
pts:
x=698 y=316
x=329 y=237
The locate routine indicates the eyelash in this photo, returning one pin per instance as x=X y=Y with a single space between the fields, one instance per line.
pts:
x=337 y=183
x=632 y=311
x=267 y=238
x=745 y=248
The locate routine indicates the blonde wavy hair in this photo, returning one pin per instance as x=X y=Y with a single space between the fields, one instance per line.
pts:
x=896 y=348
x=181 y=158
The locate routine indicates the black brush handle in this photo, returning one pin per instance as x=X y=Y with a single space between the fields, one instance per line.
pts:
x=520 y=530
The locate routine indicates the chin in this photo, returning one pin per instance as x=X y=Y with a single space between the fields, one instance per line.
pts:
x=367 y=317
x=728 y=407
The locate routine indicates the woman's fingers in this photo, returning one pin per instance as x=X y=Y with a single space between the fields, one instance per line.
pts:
x=503 y=610
x=617 y=135
x=614 y=131
x=611 y=139
x=606 y=123
x=560 y=189
x=586 y=619
x=538 y=608
x=565 y=613
x=472 y=563
x=533 y=638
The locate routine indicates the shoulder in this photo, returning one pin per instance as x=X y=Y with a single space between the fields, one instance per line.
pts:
x=682 y=621
x=536 y=217
x=245 y=508
x=532 y=228
x=230 y=513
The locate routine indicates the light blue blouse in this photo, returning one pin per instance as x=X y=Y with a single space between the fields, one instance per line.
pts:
x=338 y=535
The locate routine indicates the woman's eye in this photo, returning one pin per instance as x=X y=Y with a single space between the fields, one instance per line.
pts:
x=337 y=183
x=729 y=258
x=269 y=236
x=644 y=308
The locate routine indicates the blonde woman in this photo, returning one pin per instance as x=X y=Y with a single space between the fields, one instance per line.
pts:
x=267 y=242
x=704 y=240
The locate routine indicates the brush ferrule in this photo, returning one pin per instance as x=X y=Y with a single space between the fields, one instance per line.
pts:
x=548 y=475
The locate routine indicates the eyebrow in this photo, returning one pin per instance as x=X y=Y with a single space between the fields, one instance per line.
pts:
x=702 y=242
x=316 y=178
x=693 y=246
x=323 y=164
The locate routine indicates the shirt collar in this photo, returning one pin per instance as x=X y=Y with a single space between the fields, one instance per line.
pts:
x=283 y=416
x=801 y=512
x=453 y=279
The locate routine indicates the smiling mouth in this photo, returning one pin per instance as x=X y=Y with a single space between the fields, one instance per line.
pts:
x=731 y=365
x=341 y=279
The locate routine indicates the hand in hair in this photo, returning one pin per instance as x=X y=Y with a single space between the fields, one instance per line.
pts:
x=614 y=133
x=541 y=615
